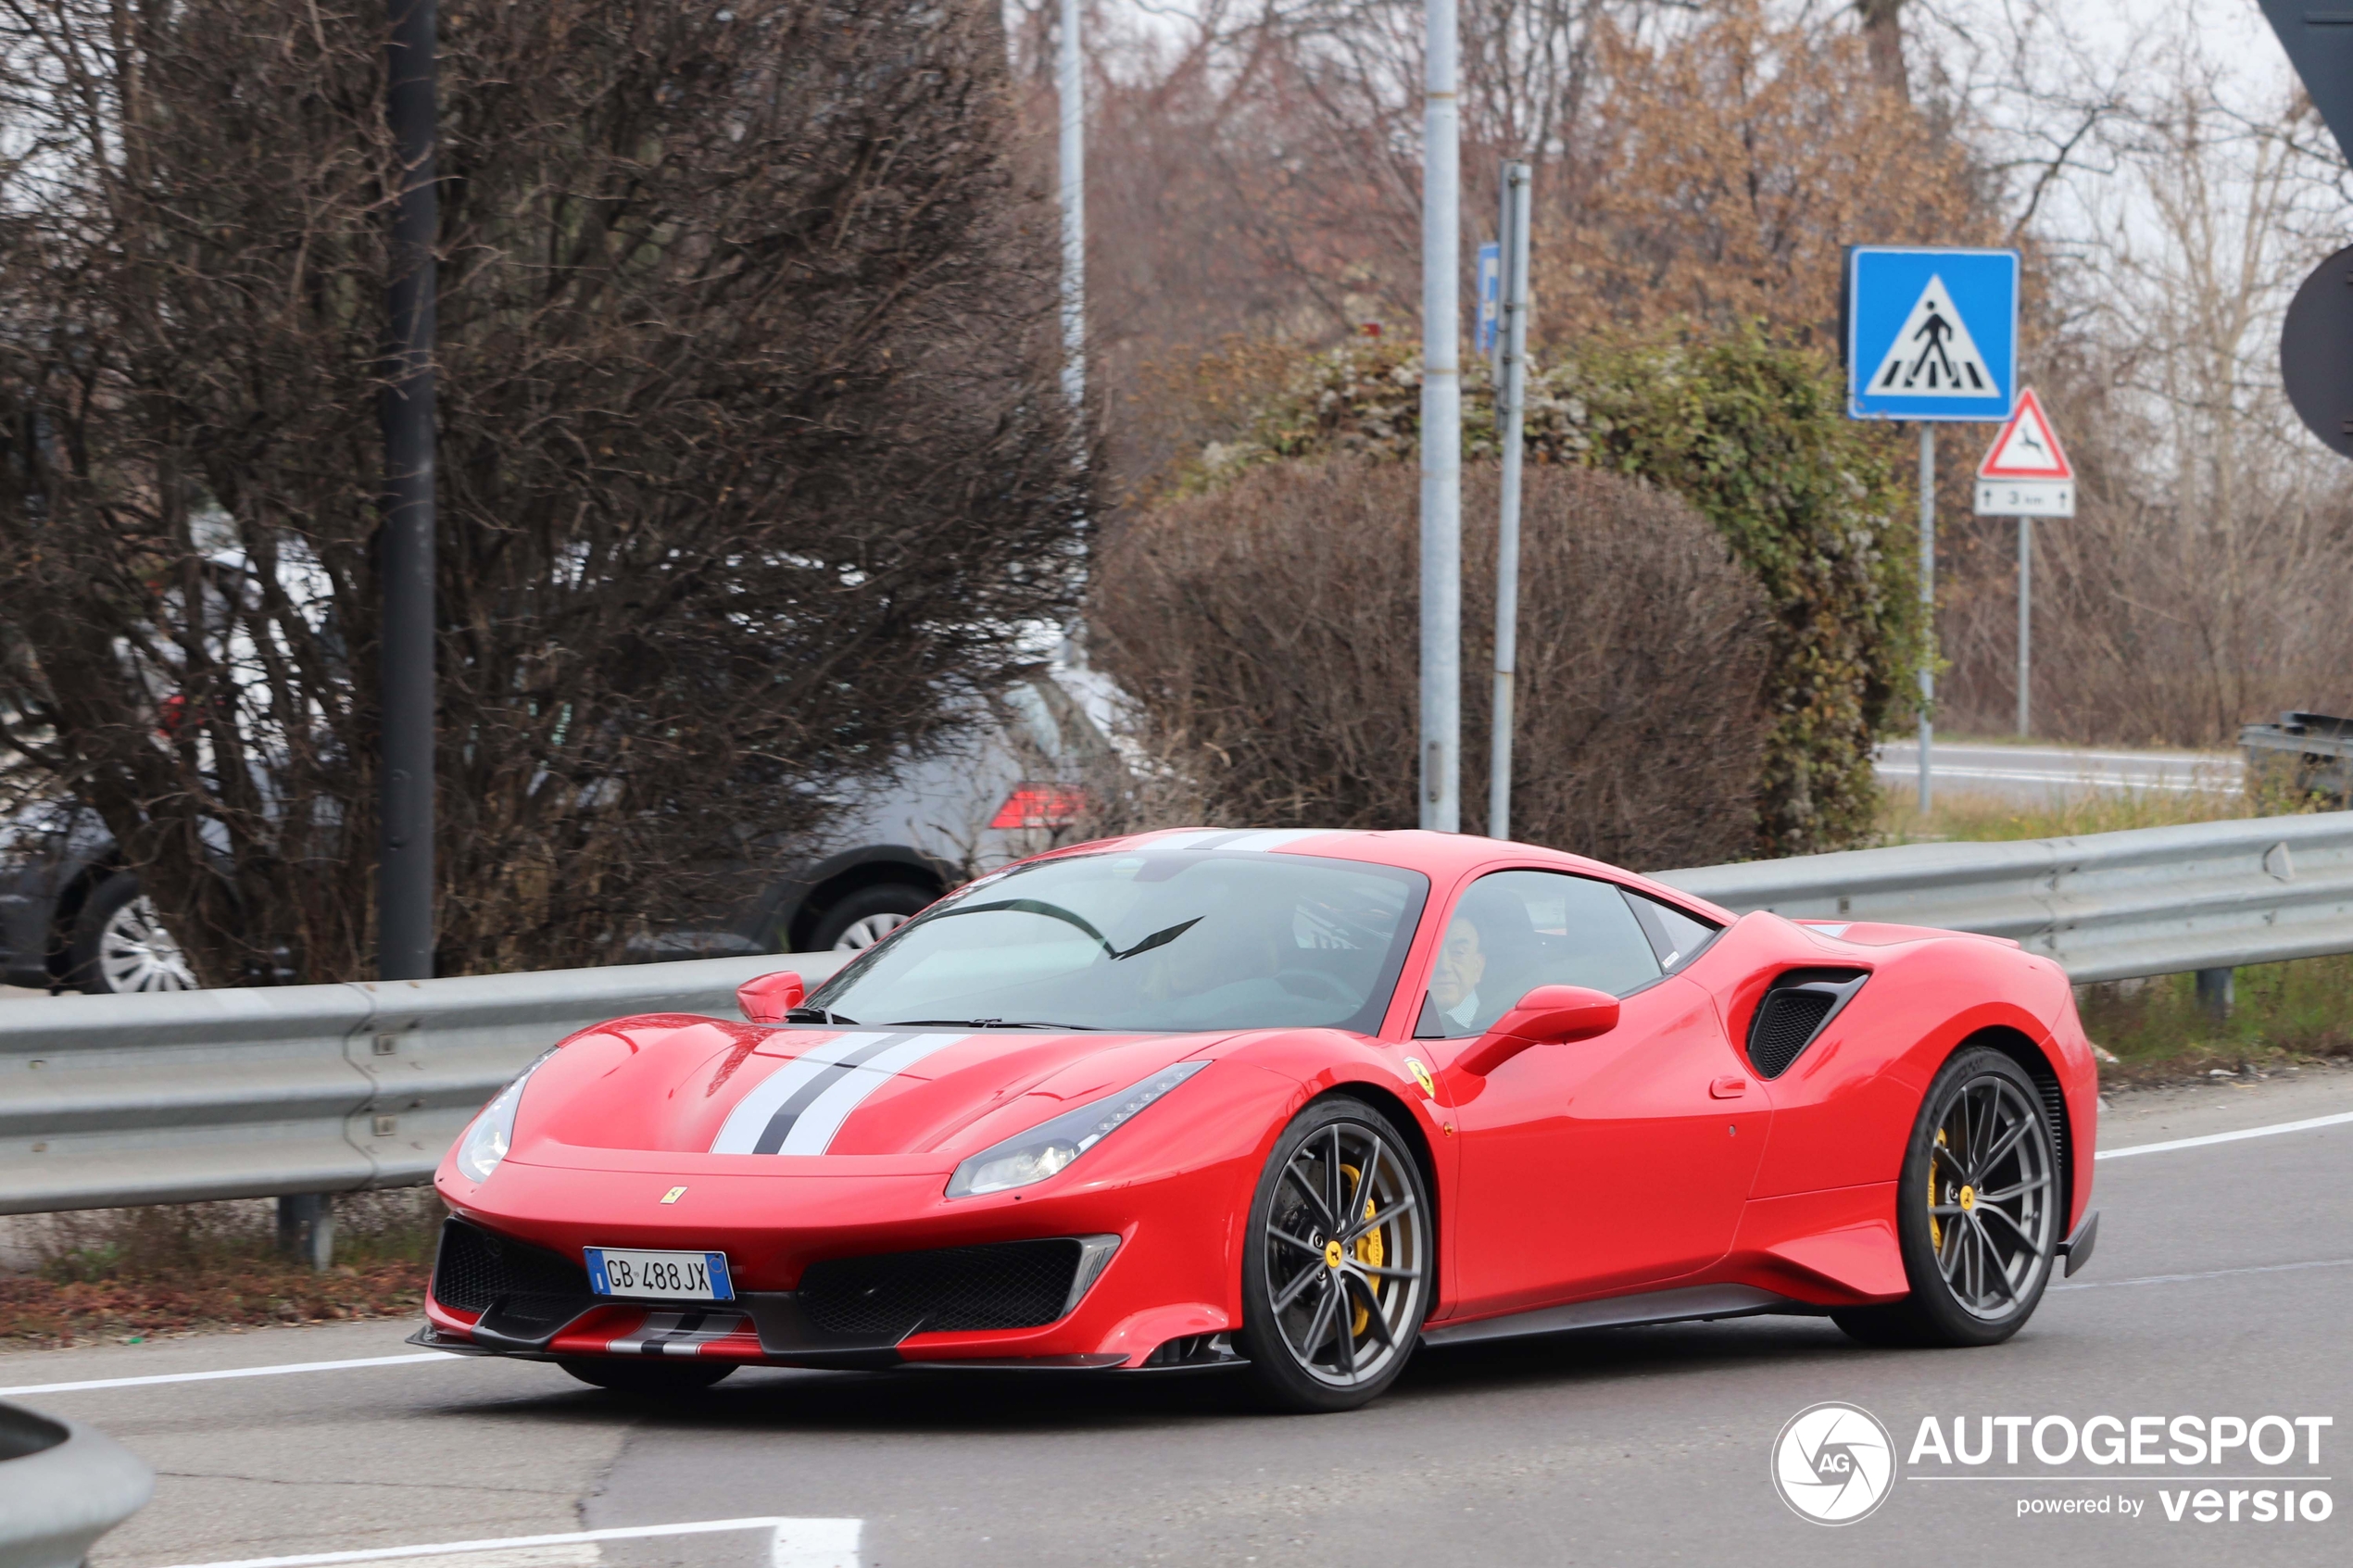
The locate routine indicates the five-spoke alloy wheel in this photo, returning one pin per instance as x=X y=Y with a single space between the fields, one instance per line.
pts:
x=1979 y=1209
x=1337 y=1275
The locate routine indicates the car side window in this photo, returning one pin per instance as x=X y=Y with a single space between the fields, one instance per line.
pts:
x=1675 y=936
x=1513 y=931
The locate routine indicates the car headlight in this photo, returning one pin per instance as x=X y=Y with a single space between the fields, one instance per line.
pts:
x=1050 y=1146
x=487 y=1141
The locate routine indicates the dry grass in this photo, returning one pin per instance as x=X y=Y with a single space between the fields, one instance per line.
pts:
x=134 y=1273
x=1984 y=817
x=2282 y=1012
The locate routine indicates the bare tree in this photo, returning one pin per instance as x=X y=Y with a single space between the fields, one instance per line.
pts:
x=750 y=459
x=2204 y=581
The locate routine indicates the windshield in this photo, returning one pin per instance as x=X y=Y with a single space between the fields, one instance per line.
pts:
x=1147 y=942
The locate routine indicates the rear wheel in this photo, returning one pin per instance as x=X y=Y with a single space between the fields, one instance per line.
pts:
x=1336 y=1278
x=651 y=1378
x=1978 y=1211
x=120 y=945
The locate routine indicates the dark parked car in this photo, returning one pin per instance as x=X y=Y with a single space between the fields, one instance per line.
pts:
x=72 y=918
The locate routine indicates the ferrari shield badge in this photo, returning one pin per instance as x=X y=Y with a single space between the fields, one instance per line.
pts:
x=1421 y=1076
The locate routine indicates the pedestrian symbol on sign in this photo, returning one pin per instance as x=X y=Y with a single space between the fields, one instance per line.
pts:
x=1933 y=355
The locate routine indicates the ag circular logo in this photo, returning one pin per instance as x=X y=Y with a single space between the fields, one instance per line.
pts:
x=1833 y=1464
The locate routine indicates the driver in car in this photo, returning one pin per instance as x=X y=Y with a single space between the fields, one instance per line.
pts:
x=1454 y=981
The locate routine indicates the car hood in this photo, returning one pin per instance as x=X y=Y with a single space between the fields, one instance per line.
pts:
x=808 y=1098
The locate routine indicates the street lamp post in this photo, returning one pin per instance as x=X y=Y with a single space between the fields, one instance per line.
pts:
x=1441 y=432
x=404 y=864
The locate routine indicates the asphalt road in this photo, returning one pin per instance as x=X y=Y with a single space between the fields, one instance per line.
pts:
x=2039 y=774
x=2219 y=1288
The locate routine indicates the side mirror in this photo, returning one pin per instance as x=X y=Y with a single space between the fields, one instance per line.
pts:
x=1550 y=1015
x=771 y=997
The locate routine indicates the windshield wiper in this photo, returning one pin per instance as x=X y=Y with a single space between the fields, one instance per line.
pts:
x=985 y=1023
x=815 y=1015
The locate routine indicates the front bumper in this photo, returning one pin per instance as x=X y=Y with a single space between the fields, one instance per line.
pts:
x=1154 y=1282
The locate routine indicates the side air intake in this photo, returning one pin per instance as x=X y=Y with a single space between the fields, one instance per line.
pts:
x=1797 y=1009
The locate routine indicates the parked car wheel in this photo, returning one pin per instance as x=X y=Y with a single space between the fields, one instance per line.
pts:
x=119 y=945
x=866 y=915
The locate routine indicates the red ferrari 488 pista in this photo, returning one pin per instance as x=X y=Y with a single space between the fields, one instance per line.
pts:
x=1295 y=1101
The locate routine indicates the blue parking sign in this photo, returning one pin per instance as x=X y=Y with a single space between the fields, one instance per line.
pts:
x=1932 y=333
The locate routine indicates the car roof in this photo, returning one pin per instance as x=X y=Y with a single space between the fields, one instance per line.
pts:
x=1442 y=856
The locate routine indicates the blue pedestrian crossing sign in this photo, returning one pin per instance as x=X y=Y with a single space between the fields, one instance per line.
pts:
x=1932 y=333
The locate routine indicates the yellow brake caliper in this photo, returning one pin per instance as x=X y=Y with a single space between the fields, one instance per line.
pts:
x=1935 y=1231
x=1370 y=1252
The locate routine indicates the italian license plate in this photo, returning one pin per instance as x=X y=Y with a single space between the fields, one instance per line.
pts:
x=660 y=1277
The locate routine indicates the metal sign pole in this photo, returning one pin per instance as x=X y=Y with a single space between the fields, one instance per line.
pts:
x=1928 y=608
x=1441 y=432
x=404 y=864
x=1072 y=91
x=2025 y=617
x=1511 y=398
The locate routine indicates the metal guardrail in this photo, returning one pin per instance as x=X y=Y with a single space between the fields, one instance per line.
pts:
x=182 y=1096
x=2110 y=906
x=62 y=1486
x=109 y=1100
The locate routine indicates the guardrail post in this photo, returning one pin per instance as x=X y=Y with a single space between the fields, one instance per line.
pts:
x=307 y=1229
x=2214 y=992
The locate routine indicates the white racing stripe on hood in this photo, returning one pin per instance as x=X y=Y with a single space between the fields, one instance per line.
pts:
x=740 y=1133
x=814 y=1128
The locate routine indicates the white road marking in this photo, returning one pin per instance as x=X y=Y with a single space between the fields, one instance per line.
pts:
x=2211 y=1273
x=233 y=1371
x=798 y=1543
x=580 y=1554
x=2310 y=1122
x=2057 y=781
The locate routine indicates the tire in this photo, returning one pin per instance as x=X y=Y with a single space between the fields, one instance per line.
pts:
x=1977 y=1264
x=120 y=945
x=668 y=1377
x=1338 y=1157
x=863 y=916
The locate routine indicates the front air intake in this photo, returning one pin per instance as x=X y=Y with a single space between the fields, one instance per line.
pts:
x=1009 y=1284
x=521 y=1289
x=1793 y=1013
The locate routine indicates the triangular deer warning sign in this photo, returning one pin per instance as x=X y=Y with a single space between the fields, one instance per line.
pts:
x=1934 y=356
x=2028 y=447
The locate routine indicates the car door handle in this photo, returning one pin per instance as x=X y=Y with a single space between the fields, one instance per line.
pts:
x=1728 y=1088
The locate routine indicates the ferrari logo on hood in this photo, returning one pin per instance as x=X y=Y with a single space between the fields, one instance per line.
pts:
x=673 y=1195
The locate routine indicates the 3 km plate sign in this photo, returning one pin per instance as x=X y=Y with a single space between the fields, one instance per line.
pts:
x=1931 y=333
x=2026 y=472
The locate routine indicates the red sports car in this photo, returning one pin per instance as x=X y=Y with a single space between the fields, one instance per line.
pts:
x=1293 y=1100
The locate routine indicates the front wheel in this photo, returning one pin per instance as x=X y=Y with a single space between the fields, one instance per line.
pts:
x=865 y=915
x=1978 y=1211
x=651 y=1378
x=1336 y=1275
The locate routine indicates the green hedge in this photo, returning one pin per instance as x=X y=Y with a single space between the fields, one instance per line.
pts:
x=1752 y=433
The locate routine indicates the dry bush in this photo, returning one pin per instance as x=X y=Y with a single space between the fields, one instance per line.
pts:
x=1267 y=632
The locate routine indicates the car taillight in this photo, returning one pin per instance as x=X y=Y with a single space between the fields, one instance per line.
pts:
x=1039 y=806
